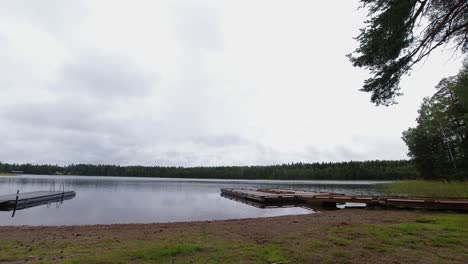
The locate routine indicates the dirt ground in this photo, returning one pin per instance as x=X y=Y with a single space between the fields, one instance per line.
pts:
x=256 y=228
x=301 y=239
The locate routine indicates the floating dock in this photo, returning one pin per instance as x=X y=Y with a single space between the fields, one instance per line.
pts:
x=270 y=195
x=30 y=199
x=328 y=200
x=260 y=204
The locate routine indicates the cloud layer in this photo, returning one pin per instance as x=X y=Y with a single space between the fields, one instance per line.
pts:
x=193 y=83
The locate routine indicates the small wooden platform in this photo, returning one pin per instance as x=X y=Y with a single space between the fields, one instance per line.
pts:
x=284 y=196
x=260 y=195
x=28 y=199
x=258 y=204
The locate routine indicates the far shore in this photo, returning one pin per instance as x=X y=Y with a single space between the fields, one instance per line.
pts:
x=209 y=178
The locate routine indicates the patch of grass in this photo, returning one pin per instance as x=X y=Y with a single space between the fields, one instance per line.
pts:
x=377 y=247
x=442 y=241
x=425 y=220
x=341 y=253
x=7 y=174
x=168 y=251
x=338 y=241
x=422 y=188
x=315 y=244
x=412 y=228
x=13 y=251
x=446 y=234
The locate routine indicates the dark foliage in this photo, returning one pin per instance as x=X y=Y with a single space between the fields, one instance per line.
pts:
x=439 y=143
x=353 y=170
x=400 y=33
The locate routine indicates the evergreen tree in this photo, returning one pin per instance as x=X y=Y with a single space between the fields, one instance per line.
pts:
x=400 y=33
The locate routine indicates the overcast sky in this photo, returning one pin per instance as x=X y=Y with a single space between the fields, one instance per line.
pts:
x=192 y=83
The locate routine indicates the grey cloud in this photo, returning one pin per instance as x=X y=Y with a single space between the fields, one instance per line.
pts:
x=332 y=154
x=105 y=75
x=343 y=153
x=389 y=150
x=176 y=158
x=67 y=132
x=92 y=99
x=64 y=147
x=222 y=140
x=64 y=114
x=197 y=28
x=228 y=156
x=54 y=16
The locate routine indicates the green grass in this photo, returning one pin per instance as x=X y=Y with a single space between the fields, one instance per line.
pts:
x=431 y=238
x=158 y=253
x=171 y=252
x=445 y=235
x=7 y=174
x=422 y=188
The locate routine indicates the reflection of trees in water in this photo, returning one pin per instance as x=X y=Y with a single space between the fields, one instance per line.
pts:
x=115 y=184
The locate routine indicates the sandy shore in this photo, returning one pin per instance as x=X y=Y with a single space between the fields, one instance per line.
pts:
x=261 y=225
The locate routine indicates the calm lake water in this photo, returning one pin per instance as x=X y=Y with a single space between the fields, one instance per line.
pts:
x=110 y=200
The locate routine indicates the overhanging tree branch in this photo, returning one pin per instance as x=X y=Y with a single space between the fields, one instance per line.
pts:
x=389 y=48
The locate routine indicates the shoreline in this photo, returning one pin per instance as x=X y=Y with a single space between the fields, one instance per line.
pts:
x=358 y=181
x=161 y=223
x=350 y=214
x=316 y=214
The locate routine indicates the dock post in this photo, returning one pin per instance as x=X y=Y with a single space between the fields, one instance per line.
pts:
x=63 y=192
x=16 y=203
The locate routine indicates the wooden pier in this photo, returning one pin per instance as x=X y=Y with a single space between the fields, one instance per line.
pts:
x=258 y=204
x=29 y=199
x=327 y=200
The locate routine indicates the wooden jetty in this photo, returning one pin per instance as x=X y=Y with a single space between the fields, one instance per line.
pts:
x=259 y=204
x=28 y=199
x=284 y=196
x=269 y=195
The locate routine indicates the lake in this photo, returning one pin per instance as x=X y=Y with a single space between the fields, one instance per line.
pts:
x=112 y=200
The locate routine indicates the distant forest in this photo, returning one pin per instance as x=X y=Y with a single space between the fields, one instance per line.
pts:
x=352 y=170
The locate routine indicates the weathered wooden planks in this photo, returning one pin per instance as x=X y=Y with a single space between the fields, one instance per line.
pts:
x=297 y=197
x=269 y=195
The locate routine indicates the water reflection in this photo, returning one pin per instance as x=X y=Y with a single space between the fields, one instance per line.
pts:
x=106 y=200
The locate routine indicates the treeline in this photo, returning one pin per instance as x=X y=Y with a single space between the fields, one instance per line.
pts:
x=439 y=143
x=353 y=170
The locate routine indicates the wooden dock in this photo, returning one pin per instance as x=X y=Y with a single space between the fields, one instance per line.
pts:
x=29 y=199
x=284 y=196
x=258 y=204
